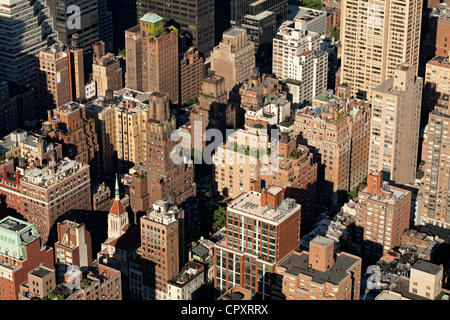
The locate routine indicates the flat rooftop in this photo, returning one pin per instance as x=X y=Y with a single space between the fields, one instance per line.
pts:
x=233 y=32
x=250 y=204
x=427 y=267
x=12 y=224
x=41 y=271
x=322 y=241
x=297 y=264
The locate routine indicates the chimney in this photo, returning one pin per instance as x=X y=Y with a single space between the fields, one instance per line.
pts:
x=263 y=197
x=49 y=114
x=5 y=172
x=17 y=177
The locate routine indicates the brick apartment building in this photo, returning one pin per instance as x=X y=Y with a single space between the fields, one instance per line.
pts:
x=337 y=130
x=319 y=274
x=382 y=214
x=191 y=74
x=69 y=125
x=106 y=70
x=21 y=250
x=152 y=57
x=74 y=247
x=297 y=174
x=262 y=229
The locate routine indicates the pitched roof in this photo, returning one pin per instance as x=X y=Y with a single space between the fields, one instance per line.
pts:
x=117 y=207
x=151 y=17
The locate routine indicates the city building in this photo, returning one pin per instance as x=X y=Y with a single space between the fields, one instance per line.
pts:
x=74 y=247
x=382 y=213
x=234 y=57
x=240 y=8
x=106 y=70
x=47 y=193
x=315 y=20
x=68 y=125
x=83 y=25
x=425 y=282
x=238 y=162
x=296 y=173
x=39 y=283
x=197 y=18
x=120 y=247
x=186 y=283
x=14 y=101
x=261 y=29
x=436 y=83
x=29 y=148
x=299 y=62
x=18 y=58
x=98 y=282
x=377 y=38
x=191 y=74
x=336 y=128
x=435 y=205
x=120 y=118
x=262 y=230
x=21 y=251
x=152 y=57
x=167 y=171
x=319 y=274
x=101 y=197
x=395 y=121
x=160 y=238
x=442 y=41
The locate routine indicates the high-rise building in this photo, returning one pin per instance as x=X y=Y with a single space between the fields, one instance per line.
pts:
x=395 y=121
x=68 y=125
x=74 y=247
x=261 y=29
x=191 y=74
x=166 y=173
x=436 y=82
x=21 y=251
x=72 y=17
x=262 y=229
x=18 y=58
x=320 y=274
x=234 y=57
x=377 y=37
x=152 y=57
x=124 y=16
x=336 y=128
x=160 y=245
x=298 y=60
x=26 y=28
x=238 y=162
x=193 y=16
x=296 y=173
x=52 y=191
x=435 y=205
x=61 y=77
x=240 y=8
x=383 y=213
x=121 y=117
x=106 y=70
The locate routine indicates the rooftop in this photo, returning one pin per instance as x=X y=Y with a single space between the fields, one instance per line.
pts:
x=250 y=204
x=151 y=17
x=298 y=263
x=41 y=271
x=427 y=267
x=233 y=32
